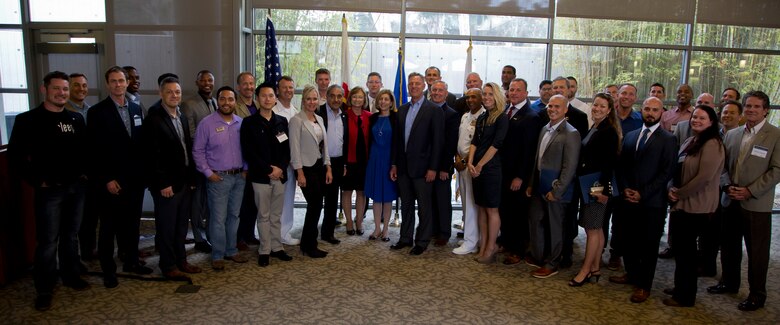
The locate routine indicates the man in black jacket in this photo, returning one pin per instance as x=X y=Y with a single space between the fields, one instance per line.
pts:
x=442 y=186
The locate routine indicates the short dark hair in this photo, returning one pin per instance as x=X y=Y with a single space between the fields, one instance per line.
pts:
x=238 y=78
x=514 y=71
x=758 y=94
x=562 y=78
x=287 y=78
x=129 y=67
x=168 y=80
x=321 y=71
x=627 y=84
x=371 y=74
x=334 y=86
x=202 y=72
x=265 y=85
x=731 y=102
x=115 y=69
x=415 y=74
x=572 y=78
x=734 y=89
x=228 y=88
x=54 y=75
x=525 y=83
x=76 y=75
x=166 y=76
x=545 y=82
x=433 y=67
x=610 y=86
x=658 y=84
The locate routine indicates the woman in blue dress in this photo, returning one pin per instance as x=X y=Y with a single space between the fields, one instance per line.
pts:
x=379 y=187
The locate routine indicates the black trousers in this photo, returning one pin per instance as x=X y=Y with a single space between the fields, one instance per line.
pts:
x=120 y=218
x=756 y=229
x=247 y=218
x=411 y=190
x=442 y=208
x=685 y=227
x=570 y=227
x=315 y=183
x=171 y=218
x=643 y=227
x=332 y=193
x=514 y=210
x=709 y=242
x=89 y=223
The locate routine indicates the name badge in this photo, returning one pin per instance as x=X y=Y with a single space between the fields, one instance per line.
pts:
x=137 y=120
x=674 y=127
x=281 y=137
x=759 y=151
x=220 y=129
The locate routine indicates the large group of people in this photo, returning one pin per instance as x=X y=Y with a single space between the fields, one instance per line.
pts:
x=227 y=162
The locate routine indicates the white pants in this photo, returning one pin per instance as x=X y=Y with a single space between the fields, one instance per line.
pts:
x=289 y=201
x=470 y=222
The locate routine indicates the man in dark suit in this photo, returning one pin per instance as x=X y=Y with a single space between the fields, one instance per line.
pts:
x=517 y=160
x=442 y=186
x=335 y=123
x=555 y=164
x=434 y=74
x=168 y=146
x=115 y=136
x=472 y=81
x=419 y=142
x=646 y=164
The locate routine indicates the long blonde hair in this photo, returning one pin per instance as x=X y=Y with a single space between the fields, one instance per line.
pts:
x=498 y=109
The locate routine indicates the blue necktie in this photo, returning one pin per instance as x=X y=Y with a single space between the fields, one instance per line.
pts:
x=643 y=140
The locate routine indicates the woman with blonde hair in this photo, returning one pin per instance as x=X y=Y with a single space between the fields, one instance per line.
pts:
x=484 y=165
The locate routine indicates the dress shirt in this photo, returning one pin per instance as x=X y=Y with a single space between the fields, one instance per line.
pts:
x=83 y=109
x=124 y=113
x=371 y=103
x=176 y=120
x=286 y=112
x=516 y=108
x=748 y=136
x=335 y=133
x=414 y=108
x=671 y=117
x=217 y=145
x=546 y=139
x=652 y=130
x=466 y=131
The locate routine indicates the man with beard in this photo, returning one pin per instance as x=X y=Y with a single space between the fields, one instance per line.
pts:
x=646 y=164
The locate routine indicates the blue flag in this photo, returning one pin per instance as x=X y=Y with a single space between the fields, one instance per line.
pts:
x=400 y=91
x=273 y=69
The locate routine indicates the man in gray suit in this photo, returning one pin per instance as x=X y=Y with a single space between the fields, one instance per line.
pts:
x=194 y=110
x=553 y=173
x=753 y=163
x=419 y=142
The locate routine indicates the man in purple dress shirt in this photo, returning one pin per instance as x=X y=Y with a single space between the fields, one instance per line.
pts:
x=217 y=155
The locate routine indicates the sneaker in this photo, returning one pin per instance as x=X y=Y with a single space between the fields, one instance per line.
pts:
x=543 y=273
x=463 y=250
x=289 y=241
x=43 y=302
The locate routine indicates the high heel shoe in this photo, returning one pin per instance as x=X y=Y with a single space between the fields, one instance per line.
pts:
x=488 y=259
x=574 y=283
x=359 y=232
x=351 y=232
x=595 y=274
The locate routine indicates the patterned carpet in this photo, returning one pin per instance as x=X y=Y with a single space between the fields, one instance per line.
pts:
x=363 y=282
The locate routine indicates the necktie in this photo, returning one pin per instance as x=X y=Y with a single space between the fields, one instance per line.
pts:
x=510 y=111
x=643 y=140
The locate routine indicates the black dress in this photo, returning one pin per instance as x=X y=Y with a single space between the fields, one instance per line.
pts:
x=598 y=154
x=487 y=186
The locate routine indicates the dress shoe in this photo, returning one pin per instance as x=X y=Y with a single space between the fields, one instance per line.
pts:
x=289 y=241
x=137 y=269
x=512 y=259
x=203 y=247
x=175 y=274
x=238 y=258
x=314 y=253
x=242 y=246
x=531 y=262
x=43 y=302
x=463 y=250
x=332 y=240
x=750 y=304
x=218 y=265
x=565 y=263
x=619 y=279
x=639 y=295
x=417 y=250
x=614 y=263
x=543 y=273
x=721 y=289
x=252 y=241
x=441 y=242
x=76 y=283
x=282 y=255
x=399 y=245
x=671 y=302
x=669 y=291
x=666 y=253
x=82 y=268
x=110 y=281
x=189 y=268
x=263 y=260
x=359 y=232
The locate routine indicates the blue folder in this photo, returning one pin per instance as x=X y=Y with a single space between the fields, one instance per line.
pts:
x=589 y=180
x=547 y=178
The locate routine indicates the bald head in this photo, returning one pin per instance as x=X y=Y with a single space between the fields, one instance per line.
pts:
x=705 y=99
x=473 y=81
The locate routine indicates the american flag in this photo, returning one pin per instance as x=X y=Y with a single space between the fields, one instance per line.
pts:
x=273 y=69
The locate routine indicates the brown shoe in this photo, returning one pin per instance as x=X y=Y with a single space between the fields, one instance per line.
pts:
x=614 y=263
x=218 y=265
x=175 y=274
x=238 y=258
x=242 y=246
x=189 y=268
x=531 y=262
x=440 y=242
x=639 y=295
x=620 y=279
x=512 y=259
x=543 y=273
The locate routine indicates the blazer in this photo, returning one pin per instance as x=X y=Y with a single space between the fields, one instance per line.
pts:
x=426 y=139
x=520 y=144
x=305 y=150
x=322 y=112
x=758 y=174
x=562 y=153
x=699 y=186
x=164 y=154
x=195 y=109
x=649 y=170
x=682 y=132
x=600 y=154
x=365 y=115
x=241 y=110
x=451 y=126
x=575 y=117
x=116 y=155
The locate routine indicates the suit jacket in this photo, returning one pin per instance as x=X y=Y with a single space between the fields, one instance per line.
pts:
x=304 y=147
x=116 y=155
x=577 y=118
x=682 y=132
x=241 y=110
x=520 y=144
x=600 y=154
x=195 y=109
x=450 y=98
x=759 y=175
x=451 y=126
x=649 y=170
x=164 y=153
x=460 y=106
x=426 y=139
x=562 y=154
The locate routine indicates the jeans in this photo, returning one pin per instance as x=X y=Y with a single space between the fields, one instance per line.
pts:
x=224 y=198
x=58 y=213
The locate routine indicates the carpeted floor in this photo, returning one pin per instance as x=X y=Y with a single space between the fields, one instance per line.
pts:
x=363 y=282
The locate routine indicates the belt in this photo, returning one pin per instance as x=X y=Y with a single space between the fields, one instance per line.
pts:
x=233 y=171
